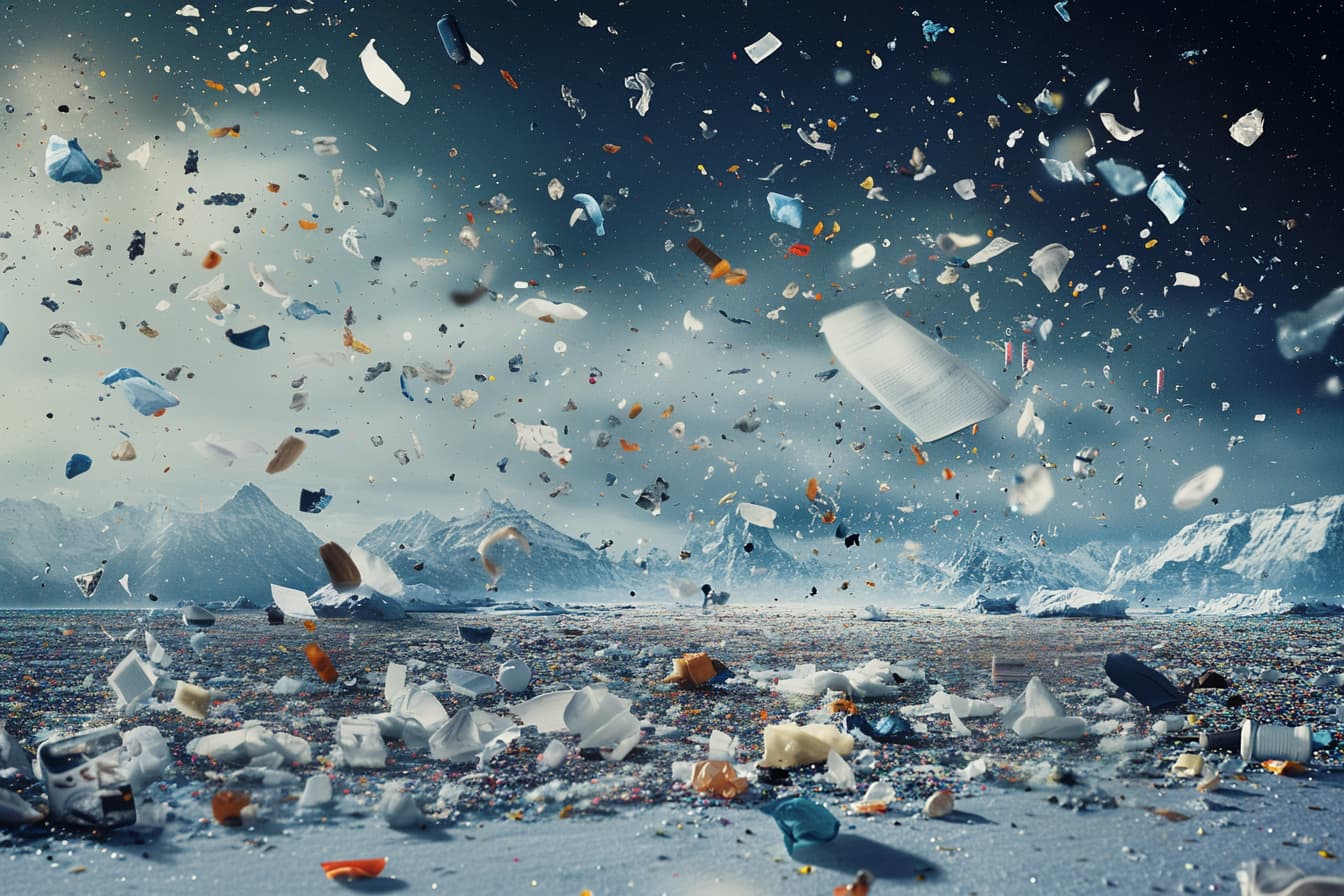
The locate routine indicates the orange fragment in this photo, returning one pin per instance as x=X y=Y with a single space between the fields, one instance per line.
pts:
x=1284 y=767
x=508 y=78
x=310 y=625
x=667 y=411
x=948 y=474
x=227 y=806
x=322 y=664
x=816 y=231
x=305 y=224
x=211 y=260
x=611 y=148
x=648 y=139
x=274 y=188
x=214 y=85
x=812 y=489
x=635 y=410
x=629 y=446
x=354 y=869
x=920 y=457
x=233 y=130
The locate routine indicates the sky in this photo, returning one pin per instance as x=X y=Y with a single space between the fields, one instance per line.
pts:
x=866 y=80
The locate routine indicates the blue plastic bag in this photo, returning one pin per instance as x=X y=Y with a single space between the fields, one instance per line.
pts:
x=67 y=163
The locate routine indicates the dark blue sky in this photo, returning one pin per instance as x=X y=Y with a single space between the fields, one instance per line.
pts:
x=467 y=135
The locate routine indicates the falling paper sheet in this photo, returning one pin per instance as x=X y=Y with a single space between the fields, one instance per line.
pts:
x=996 y=247
x=925 y=386
x=380 y=75
x=1117 y=130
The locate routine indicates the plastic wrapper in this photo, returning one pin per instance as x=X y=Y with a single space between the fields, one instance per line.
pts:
x=1248 y=128
x=68 y=164
x=788 y=745
x=381 y=75
x=1037 y=714
x=1144 y=683
x=757 y=515
x=286 y=454
x=786 y=210
x=593 y=211
x=718 y=778
x=145 y=395
x=1048 y=263
x=1168 y=196
x=1194 y=491
x=1123 y=179
x=761 y=50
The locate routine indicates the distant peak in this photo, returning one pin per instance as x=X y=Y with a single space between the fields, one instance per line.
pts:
x=249 y=496
x=486 y=501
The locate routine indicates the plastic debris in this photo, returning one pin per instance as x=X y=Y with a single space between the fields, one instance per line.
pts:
x=719 y=778
x=802 y=822
x=286 y=454
x=381 y=75
x=939 y=804
x=925 y=386
x=1168 y=196
x=1307 y=332
x=1248 y=128
x=1118 y=130
x=544 y=440
x=932 y=30
x=67 y=163
x=789 y=745
x=87 y=782
x=644 y=84
x=786 y=210
x=719 y=269
x=1192 y=493
x=1147 y=685
x=453 y=41
x=145 y=395
x=77 y=465
x=361 y=743
x=762 y=49
x=692 y=670
x=1036 y=713
x=321 y=663
x=862 y=255
x=353 y=869
x=593 y=211
x=1123 y=179
x=514 y=676
x=1048 y=262
x=1274 y=878
x=313 y=502
x=964 y=188
x=756 y=515
x=255 y=339
x=505 y=533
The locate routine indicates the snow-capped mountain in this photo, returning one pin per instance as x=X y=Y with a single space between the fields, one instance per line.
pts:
x=236 y=550
x=731 y=554
x=1005 y=569
x=1298 y=548
x=443 y=554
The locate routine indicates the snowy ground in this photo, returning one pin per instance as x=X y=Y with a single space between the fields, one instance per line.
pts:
x=630 y=829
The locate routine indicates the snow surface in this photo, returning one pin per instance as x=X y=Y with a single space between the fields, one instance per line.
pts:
x=1269 y=602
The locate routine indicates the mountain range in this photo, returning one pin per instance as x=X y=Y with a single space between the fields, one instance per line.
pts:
x=241 y=547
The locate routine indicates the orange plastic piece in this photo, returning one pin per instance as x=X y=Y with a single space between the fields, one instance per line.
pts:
x=310 y=625
x=692 y=670
x=865 y=809
x=349 y=341
x=211 y=260
x=233 y=130
x=227 y=806
x=648 y=139
x=816 y=231
x=719 y=778
x=948 y=474
x=860 y=887
x=325 y=668
x=920 y=457
x=800 y=249
x=306 y=224
x=214 y=85
x=635 y=410
x=274 y=188
x=667 y=411
x=508 y=78
x=629 y=446
x=1284 y=767
x=813 y=489
x=611 y=148
x=354 y=869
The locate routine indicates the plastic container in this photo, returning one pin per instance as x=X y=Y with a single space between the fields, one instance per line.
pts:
x=1260 y=741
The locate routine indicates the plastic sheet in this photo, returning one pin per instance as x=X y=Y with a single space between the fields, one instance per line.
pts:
x=381 y=75
x=1168 y=196
x=802 y=822
x=68 y=164
x=1307 y=332
x=786 y=210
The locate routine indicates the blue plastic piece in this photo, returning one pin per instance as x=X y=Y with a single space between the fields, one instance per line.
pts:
x=1060 y=8
x=405 y=390
x=787 y=210
x=4 y=332
x=1122 y=179
x=593 y=210
x=313 y=502
x=803 y=822
x=253 y=339
x=324 y=433
x=453 y=41
x=78 y=463
x=1168 y=196
x=887 y=730
x=145 y=395
x=67 y=163
x=932 y=29
x=304 y=310
x=825 y=375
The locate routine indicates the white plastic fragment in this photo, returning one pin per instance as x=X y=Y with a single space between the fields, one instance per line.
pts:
x=1118 y=130
x=317 y=792
x=1186 y=279
x=965 y=188
x=939 y=804
x=1032 y=491
x=1194 y=490
x=862 y=255
x=319 y=65
x=1036 y=713
x=1048 y=262
x=361 y=743
x=398 y=809
x=756 y=515
x=761 y=50
x=549 y=312
x=1248 y=128
x=788 y=745
x=381 y=75
x=514 y=675
x=132 y=680
x=690 y=323
x=996 y=247
x=292 y=602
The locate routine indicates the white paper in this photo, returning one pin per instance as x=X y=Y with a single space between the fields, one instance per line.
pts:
x=761 y=50
x=925 y=386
